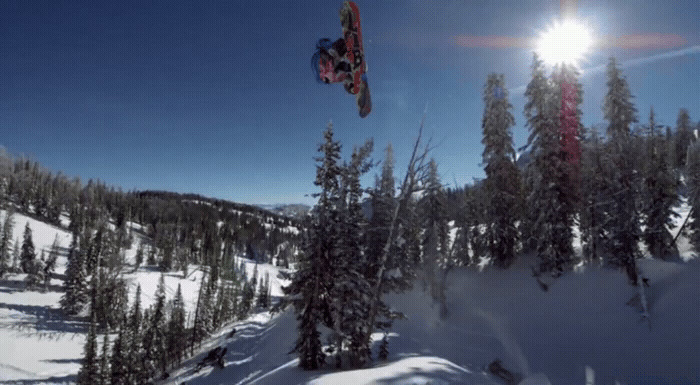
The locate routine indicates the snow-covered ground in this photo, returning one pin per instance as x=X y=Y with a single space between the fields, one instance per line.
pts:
x=582 y=324
x=38 y=344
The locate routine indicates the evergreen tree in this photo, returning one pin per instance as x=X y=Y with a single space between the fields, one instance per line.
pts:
x=502 y=176
x=94 y=249
x=50 y=265
x=684 y=136
x=384 y=348
x=569 y=92
x=35 y=273
x=402 y=257
x=660 y=196
x=203 y=311
x=693 y=170
x=75 y=295
x=351 y=286
x=435 y=231
x=15 y=257
x=104 y=374
x=217 y=314
x=8 y=224
x=247 y=297
x=476 y=203
x=592 y=214
x=119 y=361
x=28 y=255
x=176 y=329
x=263 y=292
x=311 y=284
x=89 y=371
x=550 y=213
x=139 y=255
x=133 y=338
x=622 y=219
x=383 y=203
x=154 y=341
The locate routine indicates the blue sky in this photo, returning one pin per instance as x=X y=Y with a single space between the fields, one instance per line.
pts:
x=218 y=98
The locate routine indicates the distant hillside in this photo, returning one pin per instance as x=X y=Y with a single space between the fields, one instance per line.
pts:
x=294 y=210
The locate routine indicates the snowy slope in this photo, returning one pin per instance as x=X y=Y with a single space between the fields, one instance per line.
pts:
x=39 y=344
x=581 y=321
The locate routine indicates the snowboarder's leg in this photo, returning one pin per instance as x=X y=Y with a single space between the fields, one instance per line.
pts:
x=364 y=102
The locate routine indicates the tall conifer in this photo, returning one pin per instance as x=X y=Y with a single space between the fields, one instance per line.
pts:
x=502 y=176
x=622 y=219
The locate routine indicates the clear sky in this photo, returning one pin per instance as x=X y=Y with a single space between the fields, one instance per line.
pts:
x=218 y=98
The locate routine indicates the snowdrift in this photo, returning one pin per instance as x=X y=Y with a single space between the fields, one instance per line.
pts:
x=582 y=321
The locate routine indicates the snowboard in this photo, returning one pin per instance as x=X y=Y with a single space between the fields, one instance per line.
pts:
x=352 y=34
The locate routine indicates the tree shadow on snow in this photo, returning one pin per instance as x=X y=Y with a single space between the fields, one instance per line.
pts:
x=69 y=379
x=8 y=286
x=65 y=361
x=44 y=321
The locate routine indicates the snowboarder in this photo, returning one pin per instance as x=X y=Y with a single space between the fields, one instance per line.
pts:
x=215 y=356
x=344 y=60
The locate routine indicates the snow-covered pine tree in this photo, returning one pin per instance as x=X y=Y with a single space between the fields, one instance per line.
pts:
x=476 y=202
x=217 y=314
x=622 y=219
x=502 y=176
x=133 y=341
x=89 y=373
x=28 y=255
x=50 y=265
x=8 y=224
x=176 y=340
x=548 y=205
x=263 y=299
x=254 y=280
x=312 y=283
x=460 y=247
x=383 y=203
x=693 y=182
x=404 y=252
x=15 y=257
x=592 y=214
x=383 y=353
x=104 y=370
x=569 y=92
x=247 y=297
x=94 y=248
x=435 y=231
x=684 y=136
x=35 y=275
x=138 y=259
x=75 y=296
x=660 y=195
x=3 y=191
x=118 y=359
x=351 y=286
x=154 y=341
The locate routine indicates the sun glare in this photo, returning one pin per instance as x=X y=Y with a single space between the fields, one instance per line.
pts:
x=565 y=42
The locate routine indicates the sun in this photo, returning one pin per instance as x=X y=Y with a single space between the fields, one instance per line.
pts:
x=565 y=42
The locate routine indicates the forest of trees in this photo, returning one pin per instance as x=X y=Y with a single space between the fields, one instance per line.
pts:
x=617 y=187
x=170 y=232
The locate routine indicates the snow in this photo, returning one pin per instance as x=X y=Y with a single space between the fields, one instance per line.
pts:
x=41 y=345
x=579 y=330
x=684 y=246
